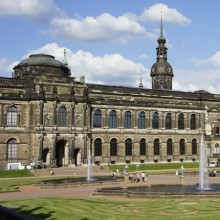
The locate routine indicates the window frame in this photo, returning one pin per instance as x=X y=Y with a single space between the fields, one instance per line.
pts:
x=112 y=119
x=128 y=147
x=155 y=120
x=97 y=118
x=141 y=120
x=113 y=147
x=12 y=149
x=62 y=116
x=98 y=147
x=12 y=116
x=156 y=144
x=143 y=147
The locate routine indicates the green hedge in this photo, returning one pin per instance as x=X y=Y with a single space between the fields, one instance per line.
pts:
x=15 y=173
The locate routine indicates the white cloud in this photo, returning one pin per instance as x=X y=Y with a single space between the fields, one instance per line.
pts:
x=213 y=61
x=197 y=80
x=6 y=67
x=111 y=69
x=114 y=69
x=143 y=56
x=33 y=9
x=170 y=15
x=104 y=27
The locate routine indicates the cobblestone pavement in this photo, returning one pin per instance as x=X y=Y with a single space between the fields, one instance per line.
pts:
x=32 y=191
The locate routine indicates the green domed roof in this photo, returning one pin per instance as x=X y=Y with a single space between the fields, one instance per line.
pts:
x=40 y=60
x=41 y=64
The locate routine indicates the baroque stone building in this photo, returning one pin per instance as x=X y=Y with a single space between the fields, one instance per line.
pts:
x=47 y=115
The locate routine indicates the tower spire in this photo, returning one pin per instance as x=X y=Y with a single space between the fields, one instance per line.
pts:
x=141 y=83
x=161 y=71
x=65 y=61
x=161 y=40
x=161 y=23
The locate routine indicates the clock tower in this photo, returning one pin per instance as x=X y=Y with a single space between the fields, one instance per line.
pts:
x=161 y=71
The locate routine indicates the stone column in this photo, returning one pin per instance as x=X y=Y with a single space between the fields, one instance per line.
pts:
x=134 y=119
x=150 y=119
x=175 y=121
x=2 y=114
x=163 y=119
x=147 y=123
x=72 y=114
x=106 y=118
x=185 y=116
x=54 y=113
x=121 y=119
x=53 y=159
x=71 y=151
x=84 y=114
x=188 y=117
x=41 y=112
x=41 y=138
x=66 y=154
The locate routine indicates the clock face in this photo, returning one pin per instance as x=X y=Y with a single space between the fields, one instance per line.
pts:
x=168 y=70
x=160 y=69
x=153 y=70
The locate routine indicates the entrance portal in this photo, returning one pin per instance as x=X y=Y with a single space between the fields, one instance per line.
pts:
x=60 y=153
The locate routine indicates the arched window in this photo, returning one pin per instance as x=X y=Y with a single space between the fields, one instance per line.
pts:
x=181 y=121
x=12 y=149
x=168 y=122
x=127 y=119
x=12 y=116
x=169 y=146
x=113 y=147
x=193 y=122
x=97 y=119
x=143 y=146
x=128 y=147
x=112 y=119
x=194 y=146
x=155 y=120
x=216 y=150
x=157 y=147
x=141 y=120
x=61 y=117
x=98 y=147
x=182 y=147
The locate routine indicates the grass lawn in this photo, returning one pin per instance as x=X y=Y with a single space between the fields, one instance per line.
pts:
x=100 y=208
x=155 y=166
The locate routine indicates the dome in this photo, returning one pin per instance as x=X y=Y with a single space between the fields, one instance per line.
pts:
x=161 y=68
x=40 y=60
x=41 y=64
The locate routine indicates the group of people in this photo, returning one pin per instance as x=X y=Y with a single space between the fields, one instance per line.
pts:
x=136 y=177
x=212 y=173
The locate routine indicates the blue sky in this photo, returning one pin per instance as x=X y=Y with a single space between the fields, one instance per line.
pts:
x=111 y=42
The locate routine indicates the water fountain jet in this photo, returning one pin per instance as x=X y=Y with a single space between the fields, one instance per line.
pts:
x=89 y=169
x=203 y=180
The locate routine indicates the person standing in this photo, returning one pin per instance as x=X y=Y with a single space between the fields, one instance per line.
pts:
x=143 y=176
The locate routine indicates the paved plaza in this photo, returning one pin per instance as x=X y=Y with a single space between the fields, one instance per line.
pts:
x=35 y=191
